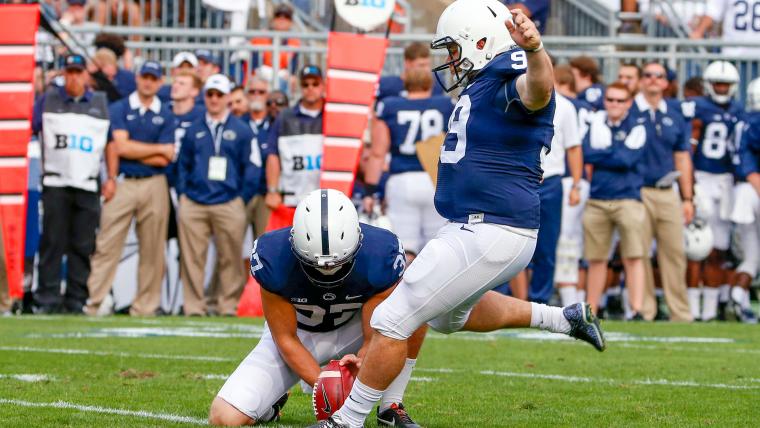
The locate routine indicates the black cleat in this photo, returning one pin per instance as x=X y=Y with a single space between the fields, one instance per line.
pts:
x=584 y=325
x=395 y=416
x=333 y=421
x=277 y=407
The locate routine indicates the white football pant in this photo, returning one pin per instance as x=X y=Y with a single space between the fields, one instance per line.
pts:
x=409 y=197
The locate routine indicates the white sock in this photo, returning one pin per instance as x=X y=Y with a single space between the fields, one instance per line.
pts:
x=581 y=296
x=548 y=318
x=710 y=303
x=359 y=403
x=725 y=293
x=568 y=295
x=694 y=295
x=740 y=296
x=395 y=391
x=614 y=291
x=627 y=311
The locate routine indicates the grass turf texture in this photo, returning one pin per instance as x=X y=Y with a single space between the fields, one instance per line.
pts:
x=503 y=379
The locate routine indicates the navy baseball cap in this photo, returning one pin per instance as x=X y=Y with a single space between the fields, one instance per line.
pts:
x=74 y=62
x=310 y=71
x=207 y=56
x=153 y=68
x=76 y=2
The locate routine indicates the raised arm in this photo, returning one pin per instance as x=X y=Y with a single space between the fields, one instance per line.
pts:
x=536 y=85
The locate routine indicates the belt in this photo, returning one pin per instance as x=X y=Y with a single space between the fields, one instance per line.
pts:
x=136 y=177
x=658 y=187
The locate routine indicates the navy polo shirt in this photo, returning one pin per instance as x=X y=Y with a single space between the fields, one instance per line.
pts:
x=667 y=132
x=147 y=125
x=198 y=147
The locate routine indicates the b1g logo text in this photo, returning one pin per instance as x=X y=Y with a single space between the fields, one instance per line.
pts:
x=74 y=142
x=366 y=3
x=308 y=163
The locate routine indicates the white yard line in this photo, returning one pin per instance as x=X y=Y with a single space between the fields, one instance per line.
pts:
x=27 y=377
x=115 y=354
x=105 y=410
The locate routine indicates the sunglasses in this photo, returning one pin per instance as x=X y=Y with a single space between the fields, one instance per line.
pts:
x=652 y=75
x=214 y=94
x=616 y=100
x=257 y=92
x=277 y=103
x=310 y=84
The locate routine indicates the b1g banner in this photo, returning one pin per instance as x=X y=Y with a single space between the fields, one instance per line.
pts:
x=18 y=25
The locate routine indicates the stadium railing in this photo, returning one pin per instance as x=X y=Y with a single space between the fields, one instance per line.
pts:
x=686 y=57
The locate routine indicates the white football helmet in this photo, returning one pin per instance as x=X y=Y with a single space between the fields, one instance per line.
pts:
x=753 y=95
x=721 y=72
x=473 y=32
x=325 y=233
x=698 y=240
x=376 y=218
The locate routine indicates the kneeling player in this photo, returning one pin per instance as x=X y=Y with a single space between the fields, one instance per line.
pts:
x=315 y=277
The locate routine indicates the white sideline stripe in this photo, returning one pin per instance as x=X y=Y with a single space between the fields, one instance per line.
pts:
x=347 y=108
x=11 y=125
x=422 y=379
x=17 y=50
x=15 y=162
x=337 y=176
x=215 y=376
x=343 y=142
x=26 y=377
x=114 y=354
x=15 y=87
x=352 y=75
x=105 y=410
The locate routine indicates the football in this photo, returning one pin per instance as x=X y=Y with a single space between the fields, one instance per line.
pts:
x=332 y=388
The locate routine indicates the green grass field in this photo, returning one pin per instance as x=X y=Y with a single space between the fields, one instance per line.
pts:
x=75 y=371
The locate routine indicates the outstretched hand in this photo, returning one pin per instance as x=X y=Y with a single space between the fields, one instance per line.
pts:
x=523 y=31
x=352 y=362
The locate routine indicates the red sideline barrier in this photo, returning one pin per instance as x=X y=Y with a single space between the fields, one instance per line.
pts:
x=250 y=300
x=18 y=25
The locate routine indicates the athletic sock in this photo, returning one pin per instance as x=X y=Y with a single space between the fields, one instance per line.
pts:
x=725 y=293
x=581 y=296
x=614 y=291
x=548 y=318
x=710 y=303
x=568 y=295
x=267 y=416
x=395 y=391
x=359 y=403
x=694 y=295
x=739 y=295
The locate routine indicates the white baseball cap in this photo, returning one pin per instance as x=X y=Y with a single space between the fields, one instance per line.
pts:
x=184 y=56
x=219 y=82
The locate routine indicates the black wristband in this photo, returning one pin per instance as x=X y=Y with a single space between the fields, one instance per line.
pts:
x=370 y=189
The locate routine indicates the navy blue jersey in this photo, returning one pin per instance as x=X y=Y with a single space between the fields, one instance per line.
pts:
x=378 y=266
x=393 y=86
x=594 y=96
x=411 y=121
x=749 y=146
x=714 y=150
x=490 y=166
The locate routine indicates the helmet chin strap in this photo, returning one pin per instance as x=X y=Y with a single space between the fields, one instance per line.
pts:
x=328 y=271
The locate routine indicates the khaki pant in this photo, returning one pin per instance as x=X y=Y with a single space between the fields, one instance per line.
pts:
x=257 y=214
x=5 y=298
x=147 y=200
x=197 y=223
x=665 y=223
x=602 y=217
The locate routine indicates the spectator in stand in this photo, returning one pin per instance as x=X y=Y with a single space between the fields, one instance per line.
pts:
x=629 y=74
x=260 y=120
x=116 y=43
x=276 y=102
x=294 y=150
x=208 y=64
x=666 y=160
x=75 y=17
x=117 y=12
x=416 y=56
x=738 y=20
x=282 y=20
x=614 y=146
x=143 y=134
x=182 y=61
x=122 y=80
x=587 y=82
x=212 y=166
x=694 y=87
x=239 y=102
x=72 y=122
x=537 y=10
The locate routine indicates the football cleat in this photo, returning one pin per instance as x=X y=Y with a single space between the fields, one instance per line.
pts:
x=277 y=407
x=584 y=325
x=333 y=421
x=395 y=416
x=745 y=315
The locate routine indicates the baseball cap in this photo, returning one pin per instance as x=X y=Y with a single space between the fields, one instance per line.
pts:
x=183 y=57
x=153 y=68
x=218 y=82
x=74 y=61
x=207 y=56
x=283 y=10
x=310 y=71
x=76 y=2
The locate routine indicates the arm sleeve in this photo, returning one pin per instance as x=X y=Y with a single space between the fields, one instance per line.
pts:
x=749 y=149
x=272 y=138
x=116 y=111
x=684 y=138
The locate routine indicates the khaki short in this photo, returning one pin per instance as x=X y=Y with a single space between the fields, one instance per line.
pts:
x=600 y=220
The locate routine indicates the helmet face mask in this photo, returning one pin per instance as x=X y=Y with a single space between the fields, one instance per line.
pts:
x=458 y=67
